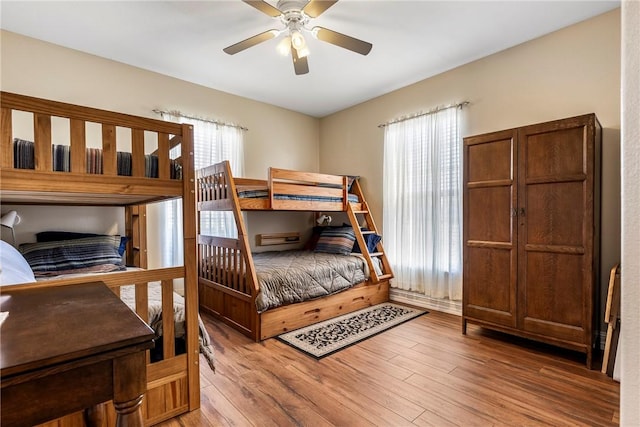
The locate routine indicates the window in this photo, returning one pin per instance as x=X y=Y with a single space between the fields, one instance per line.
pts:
x=212 y=143
x=423 y=203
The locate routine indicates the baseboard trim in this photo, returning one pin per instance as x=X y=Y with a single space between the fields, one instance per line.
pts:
x=423 y=301
x=445 y=305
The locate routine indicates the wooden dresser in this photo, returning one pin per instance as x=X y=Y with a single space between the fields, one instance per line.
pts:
x=531 y=231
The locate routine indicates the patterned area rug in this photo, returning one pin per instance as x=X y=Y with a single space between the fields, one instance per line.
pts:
x=325 y=338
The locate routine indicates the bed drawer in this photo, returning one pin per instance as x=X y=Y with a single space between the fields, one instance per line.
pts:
x=283 y=319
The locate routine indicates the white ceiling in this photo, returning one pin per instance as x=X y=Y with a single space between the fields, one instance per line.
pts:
x=412 y=40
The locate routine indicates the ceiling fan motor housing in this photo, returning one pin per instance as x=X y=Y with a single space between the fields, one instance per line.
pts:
x=292 y=14
x=291 y=5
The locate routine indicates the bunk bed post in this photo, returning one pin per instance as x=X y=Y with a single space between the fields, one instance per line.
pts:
x=345 y=193
x=6 y=151
x=136 y=229
x=190 y=265
x=270 y=186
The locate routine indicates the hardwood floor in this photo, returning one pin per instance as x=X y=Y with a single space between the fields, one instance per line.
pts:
x=421 y=373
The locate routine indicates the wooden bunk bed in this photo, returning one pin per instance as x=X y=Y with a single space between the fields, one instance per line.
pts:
x=228 y=281
x=173 y=382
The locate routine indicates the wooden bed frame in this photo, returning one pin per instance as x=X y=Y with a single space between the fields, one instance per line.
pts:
x=227 y=282
x=173 y=384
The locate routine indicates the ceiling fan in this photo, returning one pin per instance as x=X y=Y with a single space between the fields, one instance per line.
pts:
x=295 y=16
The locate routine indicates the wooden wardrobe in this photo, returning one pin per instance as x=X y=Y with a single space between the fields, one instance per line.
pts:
x=532 y=231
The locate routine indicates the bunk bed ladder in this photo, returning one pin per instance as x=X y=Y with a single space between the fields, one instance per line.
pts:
x=371 y=228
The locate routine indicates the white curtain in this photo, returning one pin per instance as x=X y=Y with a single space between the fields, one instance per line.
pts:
x=423 y=203
x=212 y=143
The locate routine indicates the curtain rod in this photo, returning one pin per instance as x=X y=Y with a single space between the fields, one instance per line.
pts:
x=217 y=122
x=432 y=111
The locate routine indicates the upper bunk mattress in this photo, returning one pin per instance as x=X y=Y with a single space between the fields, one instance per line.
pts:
x=264 y=194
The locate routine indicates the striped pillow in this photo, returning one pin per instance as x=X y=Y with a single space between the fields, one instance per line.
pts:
x=65 y=255
x=336 y=240
x=50 y=236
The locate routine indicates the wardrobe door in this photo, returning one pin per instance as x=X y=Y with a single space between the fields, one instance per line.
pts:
x=489 y=234
x=556 y=230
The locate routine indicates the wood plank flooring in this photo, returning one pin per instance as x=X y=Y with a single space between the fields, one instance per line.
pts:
x=421 y=373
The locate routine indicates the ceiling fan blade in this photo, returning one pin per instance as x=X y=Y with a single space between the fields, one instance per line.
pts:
x=264 y=7
x=315 y=8
x=251 y=41
x=342 y=40
x=300 y=65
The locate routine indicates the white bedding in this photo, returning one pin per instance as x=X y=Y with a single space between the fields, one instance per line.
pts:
x=13 y=267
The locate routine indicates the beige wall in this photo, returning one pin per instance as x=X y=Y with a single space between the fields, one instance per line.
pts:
x=573 y=71
x=36 y=68
x=276 y=137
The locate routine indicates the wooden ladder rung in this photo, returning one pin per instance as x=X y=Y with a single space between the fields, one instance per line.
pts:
x=360 y=212
x=376 y=254
x=385 y=276
x=368 y=232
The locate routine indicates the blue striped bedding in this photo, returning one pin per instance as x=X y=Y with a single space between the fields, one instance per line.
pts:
x=264 y=194
x=23 y=158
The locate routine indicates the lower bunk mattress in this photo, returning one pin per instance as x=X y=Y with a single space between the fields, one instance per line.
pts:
x=154 y=298
x=15 y=269
x=288 y=277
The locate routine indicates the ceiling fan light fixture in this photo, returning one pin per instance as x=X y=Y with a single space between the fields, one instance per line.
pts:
x=297 y=40
x=284 y=47
x=303 y=52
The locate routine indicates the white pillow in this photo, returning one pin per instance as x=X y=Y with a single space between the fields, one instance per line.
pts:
x=13 y=267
